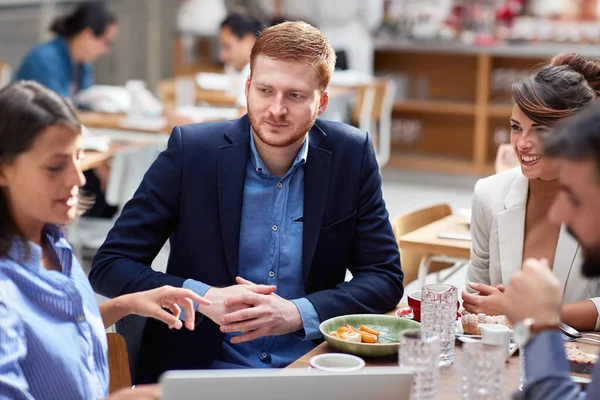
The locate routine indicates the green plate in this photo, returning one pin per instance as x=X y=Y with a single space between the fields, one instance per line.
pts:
x=389 y=326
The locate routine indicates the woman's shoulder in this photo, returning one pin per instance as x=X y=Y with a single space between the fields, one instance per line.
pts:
x=498 y=185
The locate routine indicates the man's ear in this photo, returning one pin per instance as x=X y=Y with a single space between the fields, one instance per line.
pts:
x=323 y=102
x=247 y=89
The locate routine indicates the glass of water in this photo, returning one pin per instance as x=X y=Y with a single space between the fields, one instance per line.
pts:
x=482 y=371
x=420 y=354
x=438 y=317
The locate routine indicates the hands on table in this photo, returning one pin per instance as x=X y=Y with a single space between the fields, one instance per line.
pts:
x=487 y=301
x=254 y=310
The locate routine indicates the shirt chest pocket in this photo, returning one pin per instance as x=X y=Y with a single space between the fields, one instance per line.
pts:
x=298 y=224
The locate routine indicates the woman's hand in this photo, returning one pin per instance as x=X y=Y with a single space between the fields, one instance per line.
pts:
x=151 y=303
x=486 y=302
x=142 y=392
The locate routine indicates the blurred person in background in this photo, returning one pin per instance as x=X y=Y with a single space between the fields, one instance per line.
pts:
x=65 y=63
x=510 y=220
x=65 y=66
x=237 y=37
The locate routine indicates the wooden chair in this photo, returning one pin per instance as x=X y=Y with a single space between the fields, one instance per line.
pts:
x=372 y=112
x=5 y=74
x=403 y=224
x=118 y=362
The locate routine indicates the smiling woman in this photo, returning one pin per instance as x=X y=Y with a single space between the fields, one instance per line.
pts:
x=510 y=210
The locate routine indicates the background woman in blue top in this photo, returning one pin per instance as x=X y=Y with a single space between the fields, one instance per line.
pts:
x=65 y=63
x=65 y=66
x=52 y=332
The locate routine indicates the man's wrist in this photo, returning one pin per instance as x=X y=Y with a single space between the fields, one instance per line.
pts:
x=527 y=328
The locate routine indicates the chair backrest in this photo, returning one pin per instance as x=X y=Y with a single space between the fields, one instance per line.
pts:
x=372 y=112
x=118 y=362
x=409 y=222
x=127 y=171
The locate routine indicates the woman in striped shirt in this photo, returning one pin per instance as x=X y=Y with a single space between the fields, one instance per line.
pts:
x=52 y=332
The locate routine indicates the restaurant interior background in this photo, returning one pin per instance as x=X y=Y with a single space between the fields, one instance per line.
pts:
x=450 y=63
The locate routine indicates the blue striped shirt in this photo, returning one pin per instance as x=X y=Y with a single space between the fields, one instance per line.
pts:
x=52 y=338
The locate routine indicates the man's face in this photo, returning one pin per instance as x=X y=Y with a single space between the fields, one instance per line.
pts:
x=235 y=52
x=576 y=205
x=283 y=100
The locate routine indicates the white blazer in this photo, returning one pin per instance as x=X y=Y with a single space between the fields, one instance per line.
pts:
x=498 y=230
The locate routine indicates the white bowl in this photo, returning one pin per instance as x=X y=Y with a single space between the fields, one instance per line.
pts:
x=337 y=362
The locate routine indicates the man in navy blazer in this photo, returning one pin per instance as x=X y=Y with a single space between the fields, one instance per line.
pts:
x=274 y=201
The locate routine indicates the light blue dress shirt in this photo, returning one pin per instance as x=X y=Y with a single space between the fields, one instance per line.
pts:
x=547 y=372
x=52 y=338
x=270 y=253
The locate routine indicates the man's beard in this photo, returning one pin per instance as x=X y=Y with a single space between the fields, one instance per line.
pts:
x=255 y=122
x=591 y=259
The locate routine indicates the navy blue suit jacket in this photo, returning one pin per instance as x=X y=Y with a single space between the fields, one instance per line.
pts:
x=193 y=194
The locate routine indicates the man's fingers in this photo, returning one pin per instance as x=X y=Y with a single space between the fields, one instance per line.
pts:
x=246 y=337
x=501 y=287
x=241 y=315
x=241 y=281
x=262 y=289
x=248 y=298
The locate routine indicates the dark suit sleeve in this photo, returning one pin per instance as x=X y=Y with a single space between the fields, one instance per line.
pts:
x=376 y=286
x=122 y=264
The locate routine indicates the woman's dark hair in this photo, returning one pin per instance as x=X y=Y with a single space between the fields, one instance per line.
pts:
x=569 y=83
x=94 y=15
x=26 y=110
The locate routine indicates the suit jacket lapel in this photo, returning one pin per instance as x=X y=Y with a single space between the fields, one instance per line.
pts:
x=316 y=183
x=232 y=163
x=511 y=228
x=565 y=256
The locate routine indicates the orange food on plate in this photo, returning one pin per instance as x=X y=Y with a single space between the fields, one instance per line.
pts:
x=368 y=337
x=348 y=333
x=369 y=330
x=351 y=334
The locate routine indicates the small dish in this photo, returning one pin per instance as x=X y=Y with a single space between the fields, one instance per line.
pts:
x=337 y=362
x=389 y=327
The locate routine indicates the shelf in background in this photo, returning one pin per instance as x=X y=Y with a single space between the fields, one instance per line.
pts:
x=435 y=107
x=500 y=110
x=439 y=164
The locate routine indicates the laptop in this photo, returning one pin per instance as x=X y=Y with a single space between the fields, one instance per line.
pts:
x=381 y=383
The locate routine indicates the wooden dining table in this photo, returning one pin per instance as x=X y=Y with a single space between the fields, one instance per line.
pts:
x=450 y=377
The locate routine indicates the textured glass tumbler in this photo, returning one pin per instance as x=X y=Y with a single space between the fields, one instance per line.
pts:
x=438 y=317
x=521 y=367
x=482 y=371
x=420 y=354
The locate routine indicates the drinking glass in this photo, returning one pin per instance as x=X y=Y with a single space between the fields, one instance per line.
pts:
x=438 y=317
x=482 y=369
x=420 y=354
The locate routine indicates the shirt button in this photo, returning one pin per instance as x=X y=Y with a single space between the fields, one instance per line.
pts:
x=80 y=318
x=275 y=228
x=280 y=185
x=263 y=355
x=271 y=274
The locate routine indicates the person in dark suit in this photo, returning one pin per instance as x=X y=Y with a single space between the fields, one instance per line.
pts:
x=275 y=198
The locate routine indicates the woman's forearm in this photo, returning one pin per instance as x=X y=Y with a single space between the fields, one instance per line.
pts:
x=113 y=310
x=581 y=315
